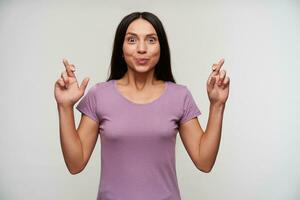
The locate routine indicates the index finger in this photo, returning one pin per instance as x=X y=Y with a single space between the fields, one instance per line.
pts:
x=68 y=67
x=66 y=63
x=218 y=67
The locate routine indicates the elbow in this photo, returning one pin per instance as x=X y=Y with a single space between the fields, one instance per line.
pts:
x=205 y=165
x=75 y=171
x=205 y=169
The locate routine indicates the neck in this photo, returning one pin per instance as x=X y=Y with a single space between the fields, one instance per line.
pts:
x=139 y=80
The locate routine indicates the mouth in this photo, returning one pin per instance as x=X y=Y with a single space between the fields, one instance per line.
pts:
x=142 y=61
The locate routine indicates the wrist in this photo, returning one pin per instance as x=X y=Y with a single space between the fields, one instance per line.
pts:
x=64 y=106
x=219 y=106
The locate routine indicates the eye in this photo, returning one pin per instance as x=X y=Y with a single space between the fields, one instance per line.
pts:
x=152 y=39
x=131 y=39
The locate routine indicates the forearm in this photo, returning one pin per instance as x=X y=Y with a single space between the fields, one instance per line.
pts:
x=70 y=141
x=210 y=140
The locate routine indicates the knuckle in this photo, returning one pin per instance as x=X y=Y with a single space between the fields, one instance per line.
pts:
x=61 y=82
x=65 y=79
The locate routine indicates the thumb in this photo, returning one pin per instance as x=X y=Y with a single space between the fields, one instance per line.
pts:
x=84 y=84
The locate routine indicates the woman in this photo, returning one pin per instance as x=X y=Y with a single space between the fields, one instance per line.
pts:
x=137 y=113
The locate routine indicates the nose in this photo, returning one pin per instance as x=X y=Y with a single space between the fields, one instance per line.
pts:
x=141 y=47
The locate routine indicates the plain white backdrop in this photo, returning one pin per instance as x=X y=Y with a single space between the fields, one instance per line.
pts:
x=258 y=156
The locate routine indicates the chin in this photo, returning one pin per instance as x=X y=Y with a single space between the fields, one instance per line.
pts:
x=142 y=68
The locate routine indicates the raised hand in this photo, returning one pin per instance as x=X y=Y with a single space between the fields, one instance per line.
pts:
x=66 y=90
x=218 y=84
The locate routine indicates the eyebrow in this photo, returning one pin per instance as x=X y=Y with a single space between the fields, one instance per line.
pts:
x=150 y=34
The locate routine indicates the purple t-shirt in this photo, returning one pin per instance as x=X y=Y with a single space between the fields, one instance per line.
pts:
x=138 y=140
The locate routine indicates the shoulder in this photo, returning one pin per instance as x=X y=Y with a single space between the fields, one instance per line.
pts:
x=181 y=92
x=98 y=88
x=179 y=89
x=100 y=85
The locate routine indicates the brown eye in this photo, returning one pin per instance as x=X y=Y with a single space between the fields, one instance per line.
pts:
x=152 y=39
x=131 y=40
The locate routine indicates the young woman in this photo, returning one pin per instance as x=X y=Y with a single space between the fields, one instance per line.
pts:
x=138 y=112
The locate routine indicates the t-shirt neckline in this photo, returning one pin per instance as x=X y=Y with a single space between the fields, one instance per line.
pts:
x=114 y=83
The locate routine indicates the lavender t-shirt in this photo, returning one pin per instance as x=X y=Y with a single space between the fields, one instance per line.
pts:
x=138 y=140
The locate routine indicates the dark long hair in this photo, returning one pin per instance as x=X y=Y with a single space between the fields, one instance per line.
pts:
x=118 y=66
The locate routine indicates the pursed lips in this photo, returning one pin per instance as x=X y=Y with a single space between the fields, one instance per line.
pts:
x=142 y=60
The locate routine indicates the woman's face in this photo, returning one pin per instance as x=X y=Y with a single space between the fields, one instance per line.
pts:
x=141 y=47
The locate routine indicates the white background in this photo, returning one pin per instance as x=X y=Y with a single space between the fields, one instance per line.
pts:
x=258 y=156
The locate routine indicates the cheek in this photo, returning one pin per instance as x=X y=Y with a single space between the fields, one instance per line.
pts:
x=156 y=53
x=127 y=50
x=128 y=53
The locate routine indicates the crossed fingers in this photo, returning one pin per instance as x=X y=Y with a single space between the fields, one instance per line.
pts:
x=221 y=74
x=68 y=73
x=216 y=67
x=70 y=68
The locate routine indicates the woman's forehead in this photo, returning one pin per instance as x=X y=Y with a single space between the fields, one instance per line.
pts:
x=140 y=27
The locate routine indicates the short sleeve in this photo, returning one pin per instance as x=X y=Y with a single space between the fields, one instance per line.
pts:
x=88 y=104
x=190 y=108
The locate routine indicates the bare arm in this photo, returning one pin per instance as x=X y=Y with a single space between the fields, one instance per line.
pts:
x=210 y=141
x=202 y=146
x=77 y=145
x=70 y=142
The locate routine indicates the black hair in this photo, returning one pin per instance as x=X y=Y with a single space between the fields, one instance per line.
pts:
x=118 y=66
